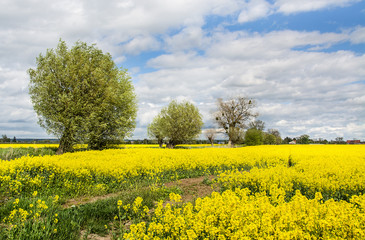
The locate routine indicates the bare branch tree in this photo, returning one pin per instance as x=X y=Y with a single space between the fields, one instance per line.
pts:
x=257 y=124
x=211 y=134
x=232 y=116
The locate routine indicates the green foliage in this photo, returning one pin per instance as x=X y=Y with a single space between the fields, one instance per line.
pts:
x=269 y=139
x=178 y=122
x=277 y=135
x=40 y=217
x=303 y=139
x=79 y=94
x=5 y=139
x=12 y=153
x=253 y=137
x=154 y=130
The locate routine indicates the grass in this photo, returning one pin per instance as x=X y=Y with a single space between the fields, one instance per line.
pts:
x=12 y=153
x=77 y=221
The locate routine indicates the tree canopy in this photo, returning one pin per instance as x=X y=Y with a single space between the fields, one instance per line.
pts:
x=155 y=130
x=253 y=137
x=178 y=123
x=79 y=94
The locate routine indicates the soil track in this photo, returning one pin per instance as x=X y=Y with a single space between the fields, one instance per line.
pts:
x=192 y=188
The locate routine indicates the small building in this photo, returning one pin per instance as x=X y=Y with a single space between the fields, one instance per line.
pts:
x=353 y=141
x=293 y=142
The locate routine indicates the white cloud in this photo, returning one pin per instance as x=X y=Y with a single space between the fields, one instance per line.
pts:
x=189 y=38
x=141 y=43
x=299 y=87
x=255 y=9
x=297 y=91
x=293 y=6
x=358 y=35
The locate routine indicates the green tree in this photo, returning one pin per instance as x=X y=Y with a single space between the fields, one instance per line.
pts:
x=303 y=139
x=253 y=137
x=180 y=122
x=79 y=94
x=232 y=116
x=154 y=130
x=277 y=135
x=269 y=139
x=5 y=139
x=287 y=140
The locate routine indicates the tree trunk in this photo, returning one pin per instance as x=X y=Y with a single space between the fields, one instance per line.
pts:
x=170 y=145
x=65 y=143
x=160 y=142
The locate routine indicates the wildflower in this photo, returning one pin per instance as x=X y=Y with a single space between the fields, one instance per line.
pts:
x=55 y=199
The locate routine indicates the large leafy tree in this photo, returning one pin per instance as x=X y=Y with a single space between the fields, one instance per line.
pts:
x=179 y=122
x=79 y=94
x=233 y=114
x=155 y=130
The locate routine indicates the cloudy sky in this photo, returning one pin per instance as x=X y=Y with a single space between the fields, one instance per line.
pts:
x=303 y=61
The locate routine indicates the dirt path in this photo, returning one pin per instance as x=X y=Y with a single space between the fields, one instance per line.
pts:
x=192 y=189
x=84 y=200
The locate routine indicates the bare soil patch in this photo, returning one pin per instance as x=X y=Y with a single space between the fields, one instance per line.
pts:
x=194 y=188
x=83 y=200
x=95 y=236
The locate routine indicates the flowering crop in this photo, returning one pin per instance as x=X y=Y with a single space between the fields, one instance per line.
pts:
x=337 y=172
x=271 y=192
x=98 y=171
x=101 y=171
x=241 y=215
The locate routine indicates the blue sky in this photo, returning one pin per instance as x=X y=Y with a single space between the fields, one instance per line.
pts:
x=302 y=61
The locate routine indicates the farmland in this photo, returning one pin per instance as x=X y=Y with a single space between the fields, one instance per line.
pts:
x=267 y=192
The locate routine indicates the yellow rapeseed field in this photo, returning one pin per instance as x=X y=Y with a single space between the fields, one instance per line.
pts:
x=331 y=168
x=268 y=192
x=241 y=215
